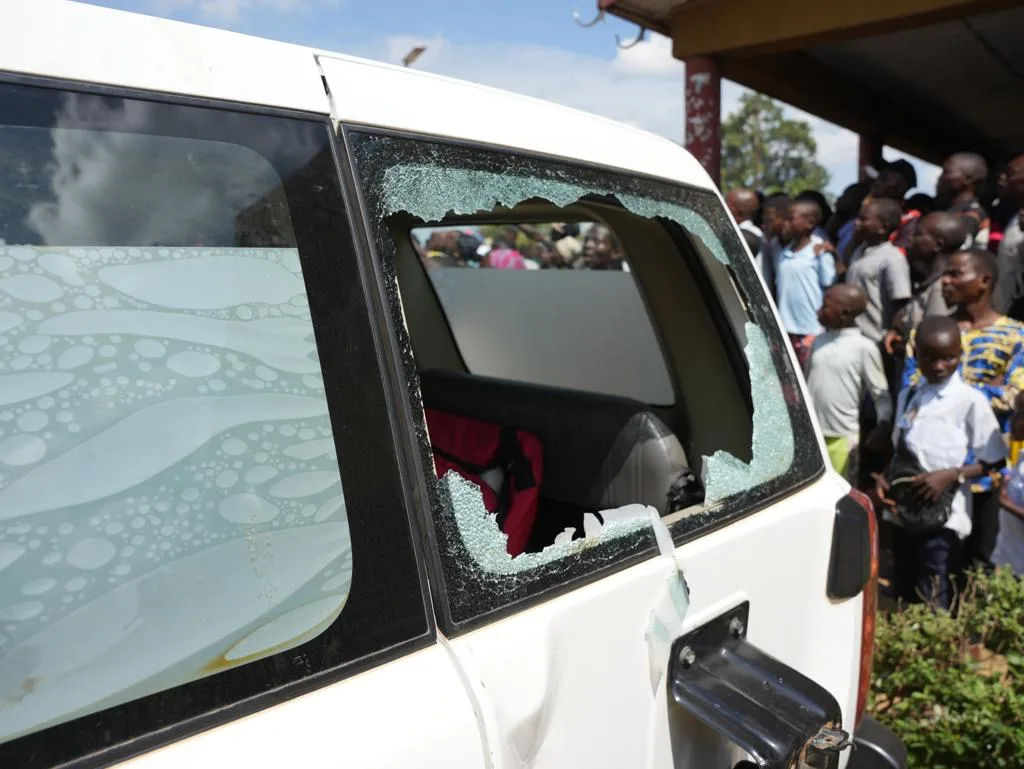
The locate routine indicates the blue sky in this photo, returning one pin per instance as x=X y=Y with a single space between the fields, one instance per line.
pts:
x=532 y=46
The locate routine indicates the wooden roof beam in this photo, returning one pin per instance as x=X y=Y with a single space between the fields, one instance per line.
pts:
x=802 y=81
x=752 y=27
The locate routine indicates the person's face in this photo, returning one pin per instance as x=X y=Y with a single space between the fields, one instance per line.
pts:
x=1015 y=180
x=598 y=249
x=961 y=282
x=938 y=357
x=734 y=208
x=951 y=181
x=847 y=202
x=889 y=184
x=869 y=225
x=548 y=255
x=833 y=311
x=799 y=222
x=925 y=242
x=774 y=221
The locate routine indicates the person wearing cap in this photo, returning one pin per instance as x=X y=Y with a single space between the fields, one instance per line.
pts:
x=893 y=181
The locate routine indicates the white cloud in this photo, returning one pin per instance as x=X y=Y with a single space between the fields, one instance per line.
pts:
x=653 y=56
x=641 y=86
x=632 y=88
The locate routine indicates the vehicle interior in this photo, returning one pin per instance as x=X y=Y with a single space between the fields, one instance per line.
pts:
x=628 y=375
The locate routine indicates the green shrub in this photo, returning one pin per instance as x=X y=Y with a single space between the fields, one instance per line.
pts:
x=952 y=685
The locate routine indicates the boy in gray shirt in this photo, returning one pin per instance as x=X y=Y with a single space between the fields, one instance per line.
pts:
x=878 y=268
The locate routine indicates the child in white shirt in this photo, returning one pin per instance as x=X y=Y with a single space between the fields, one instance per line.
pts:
x=939 y=424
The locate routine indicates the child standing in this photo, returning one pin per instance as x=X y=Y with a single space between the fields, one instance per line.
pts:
x=878 y=268
x=1009 y=549
x=939 y=423
x=802 y=274
x=845 y=366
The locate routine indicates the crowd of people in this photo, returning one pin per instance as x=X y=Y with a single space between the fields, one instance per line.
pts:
x=905 y=314
x=558 y=245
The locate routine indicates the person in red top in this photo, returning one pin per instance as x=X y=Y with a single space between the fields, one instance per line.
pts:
x=504 y=256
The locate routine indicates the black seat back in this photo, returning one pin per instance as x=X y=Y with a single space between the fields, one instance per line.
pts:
x=600 y=451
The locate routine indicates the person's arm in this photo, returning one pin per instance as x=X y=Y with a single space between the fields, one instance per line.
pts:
x=936 y=303
x=826 y=267
x=1009 y=505
x=896 y=283
x=886 y=444
x=1002 y=392
x=874 y=383
x=909 y=364
x=985 y=440
x=930 y=486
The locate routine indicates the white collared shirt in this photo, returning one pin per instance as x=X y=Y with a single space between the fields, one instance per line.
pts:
x=943 y=425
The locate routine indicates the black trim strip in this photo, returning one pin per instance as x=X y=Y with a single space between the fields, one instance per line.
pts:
x=165 y=97
x=407 y=434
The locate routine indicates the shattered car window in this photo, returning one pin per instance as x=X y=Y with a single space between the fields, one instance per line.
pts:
x=428 y=184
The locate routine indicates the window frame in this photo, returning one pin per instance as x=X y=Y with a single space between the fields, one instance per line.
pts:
x=330 y=260
x=403 y=364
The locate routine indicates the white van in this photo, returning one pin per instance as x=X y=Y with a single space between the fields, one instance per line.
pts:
x=235 y=277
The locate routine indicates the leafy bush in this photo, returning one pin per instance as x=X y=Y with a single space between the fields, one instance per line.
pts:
x=952 y=685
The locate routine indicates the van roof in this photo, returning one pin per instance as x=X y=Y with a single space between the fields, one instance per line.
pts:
x=130 y=50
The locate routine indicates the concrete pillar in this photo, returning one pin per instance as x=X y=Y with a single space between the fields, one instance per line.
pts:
x=704 y=113
x=869 y=152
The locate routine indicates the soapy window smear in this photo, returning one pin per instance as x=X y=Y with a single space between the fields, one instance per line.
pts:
x=170 y=494
x=408 y=184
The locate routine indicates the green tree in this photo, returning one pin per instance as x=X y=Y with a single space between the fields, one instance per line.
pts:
x=762 y=149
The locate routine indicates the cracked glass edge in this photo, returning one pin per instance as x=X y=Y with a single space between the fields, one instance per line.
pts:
x=432 y=193
x=486 y=543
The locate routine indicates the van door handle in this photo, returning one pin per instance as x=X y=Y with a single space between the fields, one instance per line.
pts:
x=778 y=716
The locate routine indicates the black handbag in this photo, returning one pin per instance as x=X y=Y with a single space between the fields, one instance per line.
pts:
x=916 y=515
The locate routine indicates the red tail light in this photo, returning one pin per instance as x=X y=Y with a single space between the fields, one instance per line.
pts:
x=870 y=606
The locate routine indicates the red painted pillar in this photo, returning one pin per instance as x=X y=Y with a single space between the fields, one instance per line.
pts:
x=869 y=153
x=704 y=114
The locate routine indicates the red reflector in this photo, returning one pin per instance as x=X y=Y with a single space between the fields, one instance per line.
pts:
x=870 y=606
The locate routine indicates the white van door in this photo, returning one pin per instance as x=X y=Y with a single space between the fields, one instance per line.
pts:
x=658 y=632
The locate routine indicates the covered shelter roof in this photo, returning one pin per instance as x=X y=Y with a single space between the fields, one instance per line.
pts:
x=928 y=77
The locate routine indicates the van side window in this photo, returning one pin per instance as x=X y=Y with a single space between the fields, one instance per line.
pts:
x=173 y=499
x=589 y=272
x=576 y=405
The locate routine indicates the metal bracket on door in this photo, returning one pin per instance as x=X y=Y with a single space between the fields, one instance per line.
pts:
x=779 y=717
